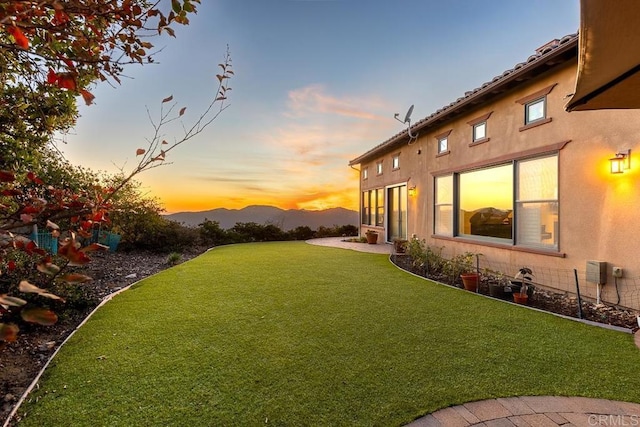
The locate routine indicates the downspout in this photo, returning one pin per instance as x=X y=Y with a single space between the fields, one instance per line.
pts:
x=359 y=201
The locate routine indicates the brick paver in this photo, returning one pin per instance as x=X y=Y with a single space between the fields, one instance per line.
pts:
x=531 y=411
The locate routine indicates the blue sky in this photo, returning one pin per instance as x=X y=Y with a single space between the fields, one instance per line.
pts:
x=317 y=83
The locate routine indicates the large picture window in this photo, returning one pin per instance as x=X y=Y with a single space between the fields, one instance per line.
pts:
x=486 y=202
x=514 y=203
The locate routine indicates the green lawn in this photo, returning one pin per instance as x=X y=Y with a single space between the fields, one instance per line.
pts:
x=292 y=334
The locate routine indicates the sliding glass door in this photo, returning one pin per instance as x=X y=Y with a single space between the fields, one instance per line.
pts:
x=396 y=212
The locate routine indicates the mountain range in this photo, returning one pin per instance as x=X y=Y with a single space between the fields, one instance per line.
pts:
x=284 y=219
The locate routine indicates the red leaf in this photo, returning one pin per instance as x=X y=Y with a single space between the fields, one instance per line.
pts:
x=94 y=247
x=26 y=218
x=8 y=333
x=7 y=176
x=28 y=288
x=167 y=99
x=33 y=178
x=75 y=278
x=60 y=17
x=67 y=81
x=20 y=39
x=140 y=151
x=52 y=77
x=11 y=265
x=87 y=96
x=75 y=257
x=182 y=110
x=11 y=192
x=38 y=315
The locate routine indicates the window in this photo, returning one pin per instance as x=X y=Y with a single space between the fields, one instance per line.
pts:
x=443 y=142
x=443 y=222
x=443 y=145
x=486 y=202
x=537 y=202
x=365 y=173
x=535 y=110
x=479 y=131
x=514 y=203
x=395 y=162
x=479 y=128
x=373 y=207
x=380 y=207
x=397 y=201
x=379 y=168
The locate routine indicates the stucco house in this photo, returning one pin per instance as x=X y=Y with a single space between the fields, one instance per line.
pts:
x=507 y=172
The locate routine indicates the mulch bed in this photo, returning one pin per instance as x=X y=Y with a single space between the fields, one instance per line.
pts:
x=21 y=361
x=553 y=302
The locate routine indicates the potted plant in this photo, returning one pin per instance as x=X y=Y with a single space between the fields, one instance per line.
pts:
x=372 y=237
x=468 y=271
x=497 y=285
x=522 y=296
x=400 y=245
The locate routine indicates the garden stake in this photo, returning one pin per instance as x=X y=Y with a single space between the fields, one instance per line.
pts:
x=575 y=273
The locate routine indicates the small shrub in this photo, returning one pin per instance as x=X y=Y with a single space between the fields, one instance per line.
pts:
x=174 y=258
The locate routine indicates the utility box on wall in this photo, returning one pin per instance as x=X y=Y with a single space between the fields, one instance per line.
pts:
x=597 y=272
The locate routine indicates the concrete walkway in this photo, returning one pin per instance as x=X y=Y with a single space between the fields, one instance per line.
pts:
x=516 y=411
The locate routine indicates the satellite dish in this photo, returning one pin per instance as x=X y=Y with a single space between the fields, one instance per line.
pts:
x=407 y=117
x=407 y=121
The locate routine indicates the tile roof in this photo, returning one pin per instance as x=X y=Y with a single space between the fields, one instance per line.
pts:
x=551 y=54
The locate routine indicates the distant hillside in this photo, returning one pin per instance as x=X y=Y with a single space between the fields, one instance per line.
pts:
x=284 y=219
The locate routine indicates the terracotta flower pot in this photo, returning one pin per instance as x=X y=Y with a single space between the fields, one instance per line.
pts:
x=518 y=298
x=470 y=281
x=372 y=238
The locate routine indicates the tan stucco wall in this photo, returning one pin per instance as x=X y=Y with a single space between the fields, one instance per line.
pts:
x=599 y=212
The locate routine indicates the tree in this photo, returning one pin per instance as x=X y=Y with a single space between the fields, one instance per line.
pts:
x=50 y=52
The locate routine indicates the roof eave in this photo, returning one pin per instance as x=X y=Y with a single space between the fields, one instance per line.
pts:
x=521 y=72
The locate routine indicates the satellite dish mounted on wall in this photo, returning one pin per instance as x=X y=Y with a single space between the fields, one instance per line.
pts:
x=407 y=121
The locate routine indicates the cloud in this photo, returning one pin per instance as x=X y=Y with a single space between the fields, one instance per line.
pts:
x=313 y=100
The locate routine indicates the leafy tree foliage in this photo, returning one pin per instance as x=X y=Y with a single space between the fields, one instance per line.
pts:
x=50 y=53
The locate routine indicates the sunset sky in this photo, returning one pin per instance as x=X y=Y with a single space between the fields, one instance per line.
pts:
x=316 y=84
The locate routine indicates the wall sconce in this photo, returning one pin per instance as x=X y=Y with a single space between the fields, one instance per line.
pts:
x=621 y=162
x=412 y=191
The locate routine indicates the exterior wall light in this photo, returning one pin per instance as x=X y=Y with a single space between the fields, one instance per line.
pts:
x=621 y=162
x=412 y=191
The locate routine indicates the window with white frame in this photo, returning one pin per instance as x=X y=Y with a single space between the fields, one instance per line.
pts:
x=479 y=131
x=395 y=162
x=479 y=128
x=443 y=145
x=379 y=168
x=515 y=203
x=443 y=142
x=365 y=173
x=443 y=215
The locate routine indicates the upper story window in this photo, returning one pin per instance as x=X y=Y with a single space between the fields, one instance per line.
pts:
x=395 y=162
x=479 y=128
x=535 y=108
x=365 y=173
x=479 y=131
x=379 y=168
x=443 y=142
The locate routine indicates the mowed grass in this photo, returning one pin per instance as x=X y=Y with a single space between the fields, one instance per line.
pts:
x=292 y=334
